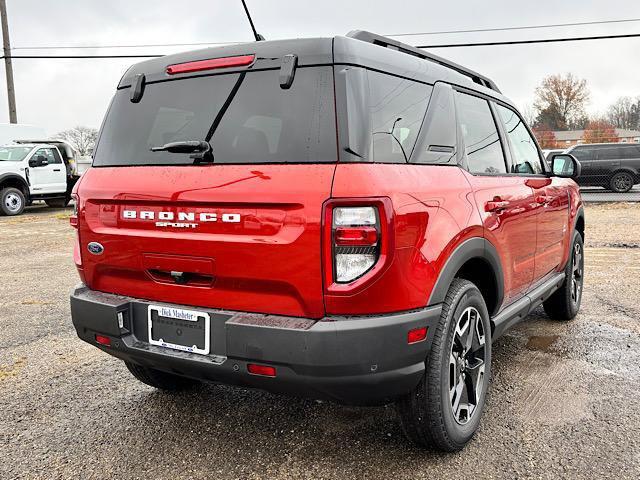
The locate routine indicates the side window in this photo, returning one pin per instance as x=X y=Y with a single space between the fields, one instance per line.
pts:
x=583 y=154
x=46 y=153
x=524 y=151
x=397 y=107
x=56 y=156
x=481 y=140
x=617 y=152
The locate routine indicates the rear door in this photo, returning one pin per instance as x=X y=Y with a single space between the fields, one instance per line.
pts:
x=590 y=174
x=240 y=233
x=551 y=194
x=51 y=177
x=505 y=202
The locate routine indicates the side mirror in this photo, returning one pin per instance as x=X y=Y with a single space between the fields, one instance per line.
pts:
x=565 y=165
x=38 y=161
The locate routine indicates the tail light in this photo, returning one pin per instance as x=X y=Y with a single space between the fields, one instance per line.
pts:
x=358 y=242
x=356 y=231
x=73 y=219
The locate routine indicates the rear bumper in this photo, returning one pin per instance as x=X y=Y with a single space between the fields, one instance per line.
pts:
x=352 y=360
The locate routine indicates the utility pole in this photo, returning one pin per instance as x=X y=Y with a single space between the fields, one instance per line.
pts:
x=11 y=93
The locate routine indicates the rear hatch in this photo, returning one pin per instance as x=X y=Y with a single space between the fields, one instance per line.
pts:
x=238 y=229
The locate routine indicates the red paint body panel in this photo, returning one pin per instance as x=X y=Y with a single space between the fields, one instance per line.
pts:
x=276 y=260
x=433 y=212
x=270 y=262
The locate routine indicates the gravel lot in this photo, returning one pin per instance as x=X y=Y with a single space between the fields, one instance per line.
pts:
x=564 y=402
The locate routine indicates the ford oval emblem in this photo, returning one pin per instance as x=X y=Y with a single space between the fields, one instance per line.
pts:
x=95 y=248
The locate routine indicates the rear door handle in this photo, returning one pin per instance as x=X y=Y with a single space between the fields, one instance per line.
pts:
x=56 y=169
x=495 y=205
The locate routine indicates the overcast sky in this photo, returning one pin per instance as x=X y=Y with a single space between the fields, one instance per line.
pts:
x=59 y=94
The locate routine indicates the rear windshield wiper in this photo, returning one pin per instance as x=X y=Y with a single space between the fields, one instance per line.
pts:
x=191 y=146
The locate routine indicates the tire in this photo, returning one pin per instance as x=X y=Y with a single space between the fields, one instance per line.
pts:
x=162 y=380
x=12 y=201
x=58 y=202
x=621 y=182
x=427 y=413
x=564 y=304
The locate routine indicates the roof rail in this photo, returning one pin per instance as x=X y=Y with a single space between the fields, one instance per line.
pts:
x=417 y=52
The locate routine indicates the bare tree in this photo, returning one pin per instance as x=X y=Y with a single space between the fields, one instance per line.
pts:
x=83 y=139
x=561 y=101
x=625 y=113
x=530 y=114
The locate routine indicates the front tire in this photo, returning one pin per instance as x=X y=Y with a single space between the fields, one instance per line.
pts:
x=444 y=409
x=621 y=182
x=12 y=201
x=564 y=304
x=158 y=379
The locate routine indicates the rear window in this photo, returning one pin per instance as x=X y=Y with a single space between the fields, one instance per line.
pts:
x=262 y=124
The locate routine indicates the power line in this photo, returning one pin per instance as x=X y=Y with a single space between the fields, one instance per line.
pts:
x=34 y=57
x=451 y=45
x=523 y=42
x=79 y=47
x=195 y=44
x=527 y=27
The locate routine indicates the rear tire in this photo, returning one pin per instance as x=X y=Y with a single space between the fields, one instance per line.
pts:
x=158 y=379
x=435 y=414
x=621 y=182
x=12 y=201
x=58 y=202
x=564 y=304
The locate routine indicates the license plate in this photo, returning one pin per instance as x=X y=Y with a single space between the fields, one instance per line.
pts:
x=179 y=329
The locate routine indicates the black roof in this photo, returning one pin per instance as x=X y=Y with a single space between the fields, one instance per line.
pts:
x=358 y=48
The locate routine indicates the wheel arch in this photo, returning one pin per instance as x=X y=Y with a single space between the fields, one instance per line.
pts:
x=476 y=260
x=635 y=173
x=579 y=222
x=15 y=181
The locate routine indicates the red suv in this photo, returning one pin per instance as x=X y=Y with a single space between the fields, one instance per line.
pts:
x=347 y=218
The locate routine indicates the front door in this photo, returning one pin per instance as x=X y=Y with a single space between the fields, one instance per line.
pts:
x=551 y=200
x=51 y=176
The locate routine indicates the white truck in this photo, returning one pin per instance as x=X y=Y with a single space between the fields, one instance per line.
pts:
x=36 y=170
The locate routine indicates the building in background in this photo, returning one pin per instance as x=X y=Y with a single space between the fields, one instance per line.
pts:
x=568 y=138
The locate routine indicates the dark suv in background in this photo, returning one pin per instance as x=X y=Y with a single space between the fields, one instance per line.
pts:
x=615 y=166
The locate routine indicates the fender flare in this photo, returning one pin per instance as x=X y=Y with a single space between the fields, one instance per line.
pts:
x=470 y=249
x=15 y=176
x=579 y=215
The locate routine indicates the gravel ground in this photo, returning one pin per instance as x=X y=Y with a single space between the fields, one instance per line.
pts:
x=564 y=400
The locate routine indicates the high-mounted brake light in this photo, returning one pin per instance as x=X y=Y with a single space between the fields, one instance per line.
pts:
x=211 y=64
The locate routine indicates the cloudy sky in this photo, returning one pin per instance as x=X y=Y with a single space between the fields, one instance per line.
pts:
x=59 y=94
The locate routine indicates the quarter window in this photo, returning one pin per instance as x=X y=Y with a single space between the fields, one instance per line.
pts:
x=523 y=147
x=397 y=107
x=482 y=143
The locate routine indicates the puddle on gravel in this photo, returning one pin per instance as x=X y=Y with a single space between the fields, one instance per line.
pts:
x=541 y=342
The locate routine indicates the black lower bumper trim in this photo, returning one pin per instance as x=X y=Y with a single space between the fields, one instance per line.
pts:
x=352 y=360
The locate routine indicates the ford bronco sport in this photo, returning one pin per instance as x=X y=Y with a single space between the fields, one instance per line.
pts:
x=347 y=218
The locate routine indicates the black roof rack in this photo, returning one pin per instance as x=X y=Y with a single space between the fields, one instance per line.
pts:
x=416 y=52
